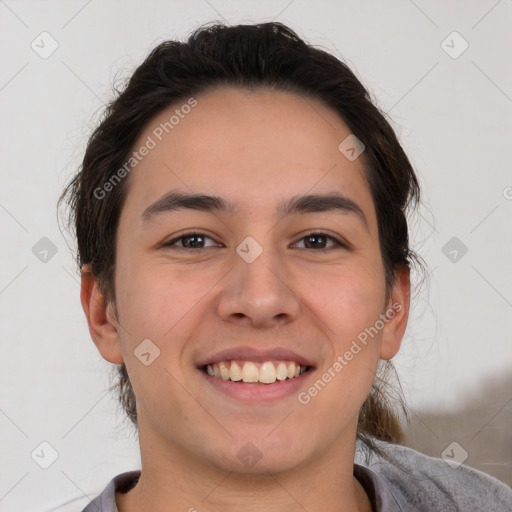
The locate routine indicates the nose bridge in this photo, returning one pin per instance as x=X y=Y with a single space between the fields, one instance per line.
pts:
x=257 y=289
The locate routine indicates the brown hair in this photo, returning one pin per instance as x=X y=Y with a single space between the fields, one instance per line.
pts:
x=245 y=56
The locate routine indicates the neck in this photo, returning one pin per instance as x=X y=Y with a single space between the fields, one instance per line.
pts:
x=173 y=480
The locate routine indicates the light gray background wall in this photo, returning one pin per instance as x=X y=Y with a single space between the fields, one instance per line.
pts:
x=452 y=113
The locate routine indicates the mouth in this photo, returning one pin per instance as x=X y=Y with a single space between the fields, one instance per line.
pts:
x=266 y=372
x=254 y=375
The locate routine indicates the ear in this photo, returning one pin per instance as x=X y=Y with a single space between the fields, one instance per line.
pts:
x=103 y=326
x=397 y=312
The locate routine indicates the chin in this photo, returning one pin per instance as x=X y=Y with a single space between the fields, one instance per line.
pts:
x=258 y=454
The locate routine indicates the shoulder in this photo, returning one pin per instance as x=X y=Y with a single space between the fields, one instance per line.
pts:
x=422 y=483
x=105 y=501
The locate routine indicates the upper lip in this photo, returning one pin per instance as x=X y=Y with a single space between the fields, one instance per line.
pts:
x=256 y=355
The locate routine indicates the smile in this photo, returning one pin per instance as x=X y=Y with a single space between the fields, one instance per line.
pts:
x=267 y=372
x=254 y=375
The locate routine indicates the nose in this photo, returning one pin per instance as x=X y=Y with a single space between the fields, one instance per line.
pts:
x=259 y=294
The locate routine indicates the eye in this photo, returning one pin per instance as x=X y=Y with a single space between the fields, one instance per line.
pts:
x=194 y=240
x=319 y=241
x=191 y=241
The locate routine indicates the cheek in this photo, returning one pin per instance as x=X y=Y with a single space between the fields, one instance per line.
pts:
x=154 y=297
x=158 y=304
x=349 y=300
x=349 y=303
x=355 y=313
x=344 y=380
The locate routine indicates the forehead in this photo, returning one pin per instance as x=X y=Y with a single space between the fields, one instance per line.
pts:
x=255 y=147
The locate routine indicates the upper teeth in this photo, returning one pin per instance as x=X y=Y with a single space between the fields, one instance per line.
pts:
x=248 y=371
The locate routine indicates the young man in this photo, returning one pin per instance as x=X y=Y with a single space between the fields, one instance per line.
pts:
x=240 y=216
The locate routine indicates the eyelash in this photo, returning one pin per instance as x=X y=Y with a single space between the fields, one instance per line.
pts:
x=338 y=243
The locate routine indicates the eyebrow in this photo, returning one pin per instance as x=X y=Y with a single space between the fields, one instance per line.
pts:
x=301 y=204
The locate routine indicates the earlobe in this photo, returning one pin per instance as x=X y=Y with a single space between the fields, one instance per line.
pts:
x=103 y=326
x=397 y=312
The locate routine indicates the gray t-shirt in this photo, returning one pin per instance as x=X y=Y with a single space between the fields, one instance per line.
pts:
x=413 y=482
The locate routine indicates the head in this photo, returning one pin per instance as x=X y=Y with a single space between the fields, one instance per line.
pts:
x=255 y=116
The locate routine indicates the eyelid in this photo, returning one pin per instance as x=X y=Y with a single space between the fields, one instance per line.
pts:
x=188 y=234
x=340 y=242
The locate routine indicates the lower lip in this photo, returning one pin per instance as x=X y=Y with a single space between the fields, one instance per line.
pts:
x=256 y=391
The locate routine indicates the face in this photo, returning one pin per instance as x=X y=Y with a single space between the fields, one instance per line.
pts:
x=257 y=284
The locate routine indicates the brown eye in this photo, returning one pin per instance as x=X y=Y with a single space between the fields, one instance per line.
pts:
x=319 y=241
